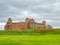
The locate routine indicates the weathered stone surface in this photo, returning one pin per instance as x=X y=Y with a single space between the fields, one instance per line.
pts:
x=28 y=24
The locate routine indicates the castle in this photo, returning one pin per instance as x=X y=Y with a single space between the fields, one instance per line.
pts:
x=28 y=24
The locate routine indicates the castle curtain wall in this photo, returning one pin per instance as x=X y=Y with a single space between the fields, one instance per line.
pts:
x=28 y=24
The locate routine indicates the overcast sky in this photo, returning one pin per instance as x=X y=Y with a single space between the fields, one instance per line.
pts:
x=40 y=10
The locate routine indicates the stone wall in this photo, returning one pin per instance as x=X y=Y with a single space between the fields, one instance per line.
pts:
x=28 y=24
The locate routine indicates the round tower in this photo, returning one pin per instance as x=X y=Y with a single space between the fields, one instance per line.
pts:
x=32 y=20
x=9 y=24
x=44 y=23
x=27 y=20
x=9 y=21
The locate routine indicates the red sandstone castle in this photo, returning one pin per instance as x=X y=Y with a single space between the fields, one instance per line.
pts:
x=28 y=24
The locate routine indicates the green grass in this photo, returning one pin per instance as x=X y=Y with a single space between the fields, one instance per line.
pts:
x=52 y=39
x=30 y=37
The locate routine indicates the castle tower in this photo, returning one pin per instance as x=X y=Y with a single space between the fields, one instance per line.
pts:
x=49 y=27
x=27 y=20
x=8 y=26
x=32 y=20
x=44 y=23
x=9 y=21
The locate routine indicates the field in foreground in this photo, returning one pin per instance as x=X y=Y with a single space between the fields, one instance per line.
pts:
x=53 y=39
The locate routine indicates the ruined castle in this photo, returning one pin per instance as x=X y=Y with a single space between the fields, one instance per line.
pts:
x=28 y=24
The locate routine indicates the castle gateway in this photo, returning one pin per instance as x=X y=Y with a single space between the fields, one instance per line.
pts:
x=28 y=24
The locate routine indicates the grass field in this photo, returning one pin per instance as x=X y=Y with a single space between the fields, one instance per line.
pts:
x=52 y=39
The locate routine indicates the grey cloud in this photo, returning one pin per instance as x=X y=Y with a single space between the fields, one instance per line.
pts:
x=37 y=9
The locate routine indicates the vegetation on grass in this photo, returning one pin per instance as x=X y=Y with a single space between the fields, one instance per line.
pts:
x=30 y=31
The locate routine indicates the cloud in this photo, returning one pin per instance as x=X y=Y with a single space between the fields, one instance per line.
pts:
x=2 y=26
x=40 y=10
